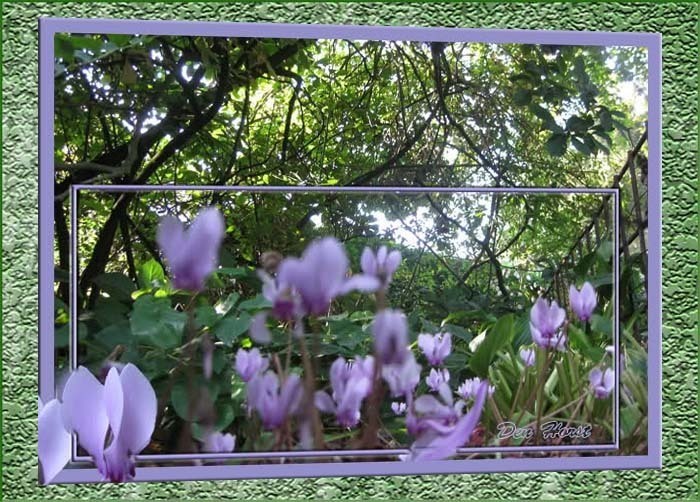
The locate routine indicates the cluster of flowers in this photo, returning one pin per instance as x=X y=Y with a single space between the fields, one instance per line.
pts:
x=307 y=286
x=547 y=327
x=124 y=406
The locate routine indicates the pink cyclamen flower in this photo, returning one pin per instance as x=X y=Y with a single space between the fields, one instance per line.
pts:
x=351 y=383
x=437 y=439
x=192 y=254
x=390 y=331
x=583 y=302
x=437 y=378
x=435 y=347
x=320 y=275
x=217 y=442
x=399 y=408
x=527 y=356
x=545 y=321
x=274 y=404
x=250 y=363
x=602 y=382
x=381 y=265
x=470 y=386
x=403 y=377
x=124 y=407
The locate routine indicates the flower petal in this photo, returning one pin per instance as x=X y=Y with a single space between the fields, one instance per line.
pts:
x=84 y=412
x=54 y=441
x=258 y=329
x=392 y=262
x=324 y=402
x=360 y=282
x=368 y=263
x=140 y=408
x=171 y=238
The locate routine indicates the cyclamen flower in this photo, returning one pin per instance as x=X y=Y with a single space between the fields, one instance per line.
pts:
x=351 y=383
x=54 y=440
x=192 y=254
x=390 y=331
x=273 y=404
x=125 y=406
x=470 y=386
x=320 y=275
x=545 y=321
x=583 y=302
x=602 y=382
x=250 y=363
x=437 y=378
x=216 y=442
x=382 y=265
x=435 y=347
x=402 y=378
x=527 y=356
x=437 y=440
x=399 y=408
x=286 y=302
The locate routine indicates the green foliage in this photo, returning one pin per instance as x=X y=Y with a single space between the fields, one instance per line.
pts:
x=497 y=338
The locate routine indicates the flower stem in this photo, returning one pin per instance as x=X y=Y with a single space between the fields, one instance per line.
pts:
x=309 y=406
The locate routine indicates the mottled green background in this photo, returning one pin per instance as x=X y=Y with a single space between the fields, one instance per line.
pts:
x=678 y=24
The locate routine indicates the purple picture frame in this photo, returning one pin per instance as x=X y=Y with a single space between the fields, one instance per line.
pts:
x=48 y=27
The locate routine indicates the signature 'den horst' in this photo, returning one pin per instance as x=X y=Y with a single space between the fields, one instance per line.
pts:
x=550 y=430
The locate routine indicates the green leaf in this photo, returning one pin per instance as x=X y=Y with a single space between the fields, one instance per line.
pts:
x=601 y=324
x=556 y=144
x=197 y=391
x=578 y=124
x=117 y=334
x=230 y=328
x=61 y=335
x=522 y=97
x=605 y=119
x=498 y=337
x=578 y=338
x=458 y=332
x=234 y=271
x=581 y=146
x=257 y=303
x=542 y=113
x=151 y=274
x=205 y=316
x=226 y=305
x=155 y=320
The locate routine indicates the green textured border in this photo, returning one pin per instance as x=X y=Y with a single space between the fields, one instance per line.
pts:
x=678 y=24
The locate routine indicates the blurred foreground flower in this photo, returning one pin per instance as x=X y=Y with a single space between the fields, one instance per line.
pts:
x=435 y=347
x=351 y=383
x=250 y=363
x=124 y=407
x=583 y=302
x=438 y=441
x=545 y=321
x=320 y=275
x=390 y=332
x=381 y=265
x=402 y=378
x=602 y=382
x=307 y=285
x=192 y=254
x=274 y=404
